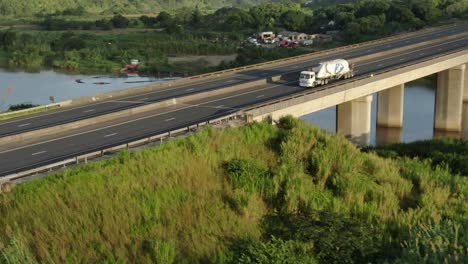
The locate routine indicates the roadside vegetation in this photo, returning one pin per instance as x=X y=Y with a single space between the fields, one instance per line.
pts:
x=82 y=38
x=21 y=110
x=290 y=193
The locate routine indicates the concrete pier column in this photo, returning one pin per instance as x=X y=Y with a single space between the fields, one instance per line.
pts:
x=390 y=107
x=353 y=119
x=449 y=99
x=465 y=106
x=388 y=135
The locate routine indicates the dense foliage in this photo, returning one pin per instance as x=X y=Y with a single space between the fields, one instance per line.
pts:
x=103 y=51
x=25 y=7
x=256 y=194
x=452 y=153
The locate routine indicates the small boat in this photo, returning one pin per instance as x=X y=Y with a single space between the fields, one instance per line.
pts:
x=79 y=81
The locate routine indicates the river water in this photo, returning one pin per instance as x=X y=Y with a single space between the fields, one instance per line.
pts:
x=24 y=87
x=36 y=87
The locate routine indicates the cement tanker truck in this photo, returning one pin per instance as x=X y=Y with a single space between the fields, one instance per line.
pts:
x=327 y=71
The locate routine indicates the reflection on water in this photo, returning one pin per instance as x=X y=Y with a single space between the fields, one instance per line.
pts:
x=418 y=116
x=29 y=87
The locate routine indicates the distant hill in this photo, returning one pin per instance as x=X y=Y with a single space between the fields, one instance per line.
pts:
x=28 y=7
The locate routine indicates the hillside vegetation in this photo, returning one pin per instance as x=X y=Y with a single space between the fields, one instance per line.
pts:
x=255 y=194
x=26 y=7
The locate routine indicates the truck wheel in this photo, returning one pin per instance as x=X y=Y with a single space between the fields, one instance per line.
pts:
x=326 y=81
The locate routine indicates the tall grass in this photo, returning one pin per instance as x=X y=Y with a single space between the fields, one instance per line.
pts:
x=239 y=195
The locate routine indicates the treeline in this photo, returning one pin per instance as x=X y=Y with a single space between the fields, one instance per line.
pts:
x=357 y=21
x=260 y=194
x=28 y=8
x=76 y=51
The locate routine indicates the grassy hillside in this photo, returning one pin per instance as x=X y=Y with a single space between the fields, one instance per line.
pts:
x=256 y=194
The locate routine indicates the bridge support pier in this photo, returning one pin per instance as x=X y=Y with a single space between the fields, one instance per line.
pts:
x=465 y=106
x=353 y=119
x=449 y=99
x=390 y=107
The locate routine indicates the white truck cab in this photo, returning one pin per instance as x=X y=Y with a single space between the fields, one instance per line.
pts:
x=307 y=79
x=327 y=71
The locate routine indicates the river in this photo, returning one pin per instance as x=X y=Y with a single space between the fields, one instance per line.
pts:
x=25 y=87
x=18 y=87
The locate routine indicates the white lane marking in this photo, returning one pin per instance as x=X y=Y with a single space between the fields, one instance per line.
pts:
x=90 y=110
x=369 y=50
x=191 y=89
x=219 y=106
x=230 y=81
x=22 y=125
x=37 y=153
x=146 y=98
x=422 y=53
x=402 y=59
x=380 y=65
x=110 y=135
x=169 y=119
x=127 y=102
x=144 y=117
x=260 y=96
x=295 y=67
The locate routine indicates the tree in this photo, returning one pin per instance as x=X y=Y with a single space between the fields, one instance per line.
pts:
x=371 y=24
x=183 y=15
x=120 y=21
x=425 y=10
x=165 y=19
x=148 y=21
x=293 y=20
x=344 y=18
x=372 y=7
x=196 y=16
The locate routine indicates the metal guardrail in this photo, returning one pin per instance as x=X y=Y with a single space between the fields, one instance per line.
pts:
x=83 y=158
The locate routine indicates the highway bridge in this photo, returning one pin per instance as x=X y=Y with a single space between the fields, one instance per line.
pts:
x=263 y=91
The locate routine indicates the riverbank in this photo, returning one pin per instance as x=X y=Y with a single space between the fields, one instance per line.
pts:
x=249 y=194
